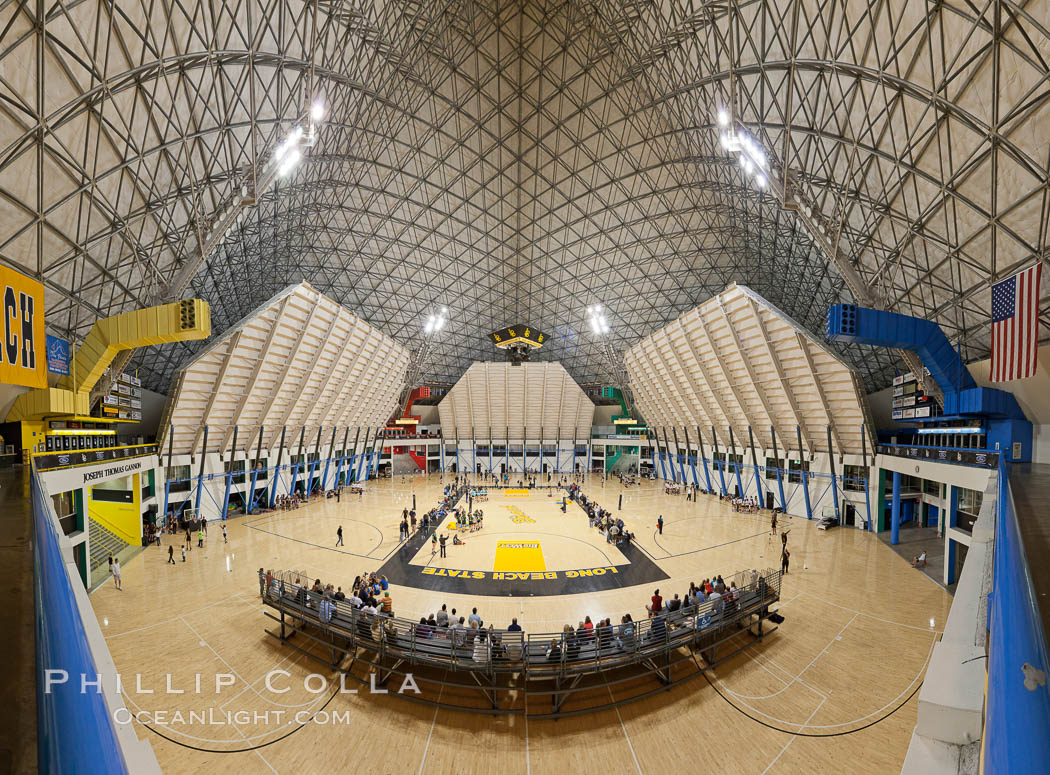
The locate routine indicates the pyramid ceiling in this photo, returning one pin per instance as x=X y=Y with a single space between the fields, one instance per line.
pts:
x=517 y=162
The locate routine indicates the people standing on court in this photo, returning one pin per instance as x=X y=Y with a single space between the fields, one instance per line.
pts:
x=225 y=540
x=200 y=537
x=262 y=583
x=184 y=552
x=339 y=536
x=443 y=539
x=115 y=570
x=773 y=524
x=660 y=524
x=204 y=524
x=171 y=553
x=785 y=555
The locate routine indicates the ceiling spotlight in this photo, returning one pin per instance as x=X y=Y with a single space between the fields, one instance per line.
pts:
x=289 y=161
x=747 y=164
x=444 y=310
x=723 y=118
x=760 y=179
x=317 y=111
x=724 y=140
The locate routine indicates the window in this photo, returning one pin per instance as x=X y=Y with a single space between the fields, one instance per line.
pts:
x=931 y=487
x=772 y=464
x=854 y=478
x=261 y=465
x=970 y=501
x=179 y=476
x=237 y=466
x=796 y=469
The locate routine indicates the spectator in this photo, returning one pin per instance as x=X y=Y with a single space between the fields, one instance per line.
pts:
x=514 y=626
x=474 y=619
x=674 y=604
x=656 y=604
x=482 y=652
x=442 y=616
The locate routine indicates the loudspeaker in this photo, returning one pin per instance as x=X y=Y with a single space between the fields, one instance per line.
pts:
x=187 y=314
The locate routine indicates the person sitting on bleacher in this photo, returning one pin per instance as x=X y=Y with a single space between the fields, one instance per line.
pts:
x=481 y=653
x=327 y=609
x=625 y=639
x=554 y=652
x=459 y=633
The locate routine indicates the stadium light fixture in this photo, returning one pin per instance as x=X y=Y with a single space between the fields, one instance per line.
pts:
x=317 y=111
x=288 y=162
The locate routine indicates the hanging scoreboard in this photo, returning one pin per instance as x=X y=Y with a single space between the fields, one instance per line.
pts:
x=518 y=335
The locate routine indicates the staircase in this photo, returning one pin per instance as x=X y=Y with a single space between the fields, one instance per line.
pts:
x=102 y=543
x=421 y=460
x=403 y=464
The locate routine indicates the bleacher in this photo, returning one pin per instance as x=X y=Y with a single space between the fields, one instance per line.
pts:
x=514 y=661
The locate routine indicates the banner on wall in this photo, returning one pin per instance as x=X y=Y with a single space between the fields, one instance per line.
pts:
x=57 y=355
x=22 y=357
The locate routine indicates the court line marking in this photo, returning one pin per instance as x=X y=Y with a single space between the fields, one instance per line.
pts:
x=433 y=721
x=240 y=678
x=706 y=548
x=502 y=534
x=851 y=722
x=872 y=616
x=795 y=737
x=624 y=728
x=172 y=619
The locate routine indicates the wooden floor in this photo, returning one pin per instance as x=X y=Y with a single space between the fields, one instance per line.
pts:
x=859 y=628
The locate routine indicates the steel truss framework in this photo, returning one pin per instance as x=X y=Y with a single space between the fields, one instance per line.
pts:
x=518 y=161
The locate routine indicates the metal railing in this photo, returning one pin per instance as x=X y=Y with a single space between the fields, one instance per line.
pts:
x=1017 y=706
x=500 y=663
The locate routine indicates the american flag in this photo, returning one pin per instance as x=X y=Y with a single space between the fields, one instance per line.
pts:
x=1015 y=325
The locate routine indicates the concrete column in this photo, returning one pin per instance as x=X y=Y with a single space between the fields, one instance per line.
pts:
x=951 y=519
x=895 y=510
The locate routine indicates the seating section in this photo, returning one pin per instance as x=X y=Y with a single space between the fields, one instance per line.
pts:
x=736 y=361
x=419 y=643
x=493 y=399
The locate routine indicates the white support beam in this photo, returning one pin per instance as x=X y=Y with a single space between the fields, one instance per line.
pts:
x=746 y=360
x=216 y=390
x=695 y=415
x=340 y=354
x=796 y=415
x=703 y=369
x=306 y=372
x=820 y=392
x=289 y=361
x=264 y=357
x=725 y=372
x=657 y=396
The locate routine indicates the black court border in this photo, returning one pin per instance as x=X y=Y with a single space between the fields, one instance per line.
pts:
x=640 y=570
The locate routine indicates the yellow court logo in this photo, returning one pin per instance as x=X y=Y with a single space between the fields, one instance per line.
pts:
x=516 y=493
x=517 y=516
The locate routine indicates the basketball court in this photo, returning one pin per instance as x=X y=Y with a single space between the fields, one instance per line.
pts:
x=861 y=629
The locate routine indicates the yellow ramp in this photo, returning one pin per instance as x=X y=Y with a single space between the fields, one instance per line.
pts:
x=519 y=557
